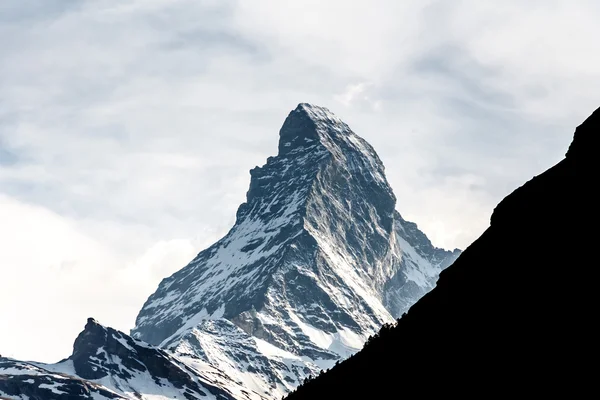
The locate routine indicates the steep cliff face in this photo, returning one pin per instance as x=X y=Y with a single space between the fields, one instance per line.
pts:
x=317 y=261
x=512 y=316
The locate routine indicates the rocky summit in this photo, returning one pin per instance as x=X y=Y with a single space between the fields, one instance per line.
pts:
x=317 y=261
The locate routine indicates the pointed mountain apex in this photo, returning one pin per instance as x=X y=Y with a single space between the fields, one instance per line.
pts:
x=318 y=113
x=301 y=127
x=93 y=324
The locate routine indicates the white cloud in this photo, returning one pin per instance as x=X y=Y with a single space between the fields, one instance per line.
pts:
x=357 y=96
x=54 y=276
x=127 y=128
x=45 y=278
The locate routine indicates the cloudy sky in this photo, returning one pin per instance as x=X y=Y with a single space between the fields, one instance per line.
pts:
x=128 y=127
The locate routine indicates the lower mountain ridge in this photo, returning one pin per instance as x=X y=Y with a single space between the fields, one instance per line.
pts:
x=512 y=317
x=108 y=364
x=316 y=262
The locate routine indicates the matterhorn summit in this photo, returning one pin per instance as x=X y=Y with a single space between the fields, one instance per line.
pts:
x=317 y=261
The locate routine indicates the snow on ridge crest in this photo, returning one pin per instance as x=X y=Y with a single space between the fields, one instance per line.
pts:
x=308 y=125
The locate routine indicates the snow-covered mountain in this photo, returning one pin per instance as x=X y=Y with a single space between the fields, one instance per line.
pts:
x=108 y=364
x=317 y=261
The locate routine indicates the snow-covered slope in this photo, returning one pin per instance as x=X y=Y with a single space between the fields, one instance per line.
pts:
x=317 y=261
x=108 y=364
x=25 y=380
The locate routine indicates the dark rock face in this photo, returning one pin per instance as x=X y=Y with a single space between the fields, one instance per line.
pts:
x=513 y=316
x=101 y=351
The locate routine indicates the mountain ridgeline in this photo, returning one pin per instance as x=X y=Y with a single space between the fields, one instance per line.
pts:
x=316 y=262
x=108 y=364
x=513 y=316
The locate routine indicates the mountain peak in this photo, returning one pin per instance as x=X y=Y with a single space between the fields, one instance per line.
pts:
x=301 y=127
x=92 y=322
x=318 y=113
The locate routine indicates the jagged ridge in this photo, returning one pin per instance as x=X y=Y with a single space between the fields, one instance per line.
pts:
x=108 y=364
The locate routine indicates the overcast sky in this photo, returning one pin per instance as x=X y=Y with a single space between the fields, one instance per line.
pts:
x=128 y=127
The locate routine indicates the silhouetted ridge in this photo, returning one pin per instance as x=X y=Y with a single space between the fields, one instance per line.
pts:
x=514 y=316
x=585 y=145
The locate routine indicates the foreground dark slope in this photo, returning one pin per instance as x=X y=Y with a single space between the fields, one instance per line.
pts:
x=515 y=314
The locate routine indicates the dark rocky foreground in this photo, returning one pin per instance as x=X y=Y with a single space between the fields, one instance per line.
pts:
x=514 y=316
